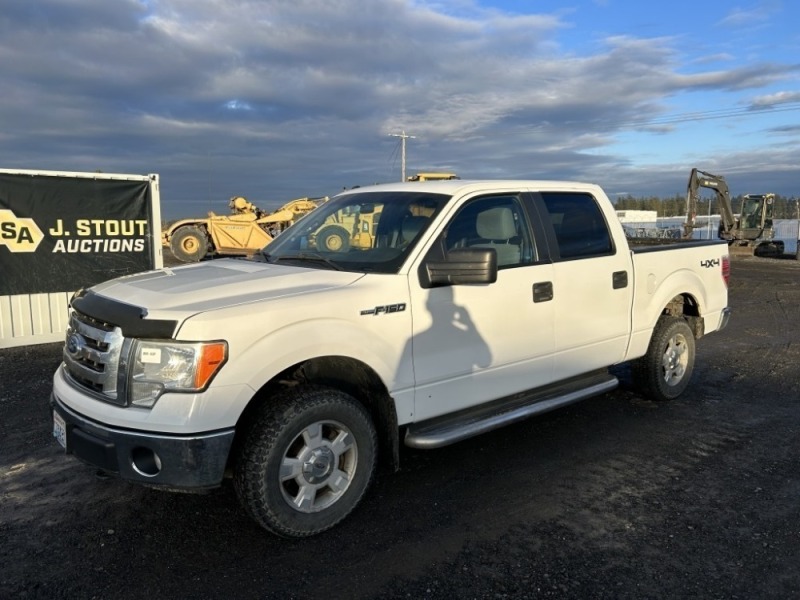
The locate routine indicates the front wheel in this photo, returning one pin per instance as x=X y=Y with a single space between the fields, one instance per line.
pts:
x=189 y=244
x=664 y=372
x=306 y=461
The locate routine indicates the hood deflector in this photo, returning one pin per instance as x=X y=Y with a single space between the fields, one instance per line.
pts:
x=131 y=319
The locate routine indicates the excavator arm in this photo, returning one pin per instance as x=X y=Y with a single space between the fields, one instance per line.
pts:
x=700 y=179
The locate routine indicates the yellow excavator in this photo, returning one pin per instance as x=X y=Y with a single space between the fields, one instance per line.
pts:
x=750 y=232
x=244 y=232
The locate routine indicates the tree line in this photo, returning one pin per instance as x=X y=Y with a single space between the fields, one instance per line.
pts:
x=785 y=207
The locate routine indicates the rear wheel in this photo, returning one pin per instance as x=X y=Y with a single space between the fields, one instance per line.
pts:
x=189 y=244
x=307 y=461
x=333 y=238
x=664 y=372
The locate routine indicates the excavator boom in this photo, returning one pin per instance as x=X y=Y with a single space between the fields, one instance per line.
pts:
x=701 y=179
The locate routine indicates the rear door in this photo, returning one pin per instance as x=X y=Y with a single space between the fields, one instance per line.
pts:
x=592 y=284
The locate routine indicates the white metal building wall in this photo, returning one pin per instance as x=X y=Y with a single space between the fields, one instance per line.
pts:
x=33 y=318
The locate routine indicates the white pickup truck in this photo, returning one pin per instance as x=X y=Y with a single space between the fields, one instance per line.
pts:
x=415 y=313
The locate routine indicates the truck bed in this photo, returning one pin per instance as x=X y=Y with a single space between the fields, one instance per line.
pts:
x=644 y=244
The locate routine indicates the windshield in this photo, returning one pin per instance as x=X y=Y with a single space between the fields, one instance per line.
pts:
x=369 y=232
x=751 y=206
x=751 y=212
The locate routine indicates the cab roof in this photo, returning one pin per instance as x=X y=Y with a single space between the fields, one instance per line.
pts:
x=460 y=186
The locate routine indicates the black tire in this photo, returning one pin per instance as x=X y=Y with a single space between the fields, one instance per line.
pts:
x=333 y=238
x=664 y=372
x=770 y=249
x=189 y=244
x=306 y=461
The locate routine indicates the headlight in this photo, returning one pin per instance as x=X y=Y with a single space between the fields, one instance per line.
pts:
x=171 y=366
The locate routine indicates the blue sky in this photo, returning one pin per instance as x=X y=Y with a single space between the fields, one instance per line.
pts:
x=278 y=99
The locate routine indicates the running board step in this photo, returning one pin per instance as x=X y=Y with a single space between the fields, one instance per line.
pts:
x=449 y=429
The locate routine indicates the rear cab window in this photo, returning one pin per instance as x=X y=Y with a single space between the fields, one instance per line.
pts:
x=577 y=225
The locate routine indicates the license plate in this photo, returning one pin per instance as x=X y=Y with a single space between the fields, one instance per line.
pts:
x=60 y=429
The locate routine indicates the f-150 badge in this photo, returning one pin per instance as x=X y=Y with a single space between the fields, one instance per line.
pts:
x=384 y=310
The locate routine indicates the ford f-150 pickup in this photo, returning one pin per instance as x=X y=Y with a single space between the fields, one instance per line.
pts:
x=411 y=313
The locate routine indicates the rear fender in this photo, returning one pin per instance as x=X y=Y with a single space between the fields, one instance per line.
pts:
x=655 y=298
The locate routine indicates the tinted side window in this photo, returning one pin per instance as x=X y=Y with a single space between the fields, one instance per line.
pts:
x=578 y=224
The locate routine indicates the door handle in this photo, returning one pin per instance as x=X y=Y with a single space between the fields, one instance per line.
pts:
x=619 y=280
x=543 y=291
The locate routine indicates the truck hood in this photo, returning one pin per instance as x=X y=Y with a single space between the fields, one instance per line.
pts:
x=178 y=292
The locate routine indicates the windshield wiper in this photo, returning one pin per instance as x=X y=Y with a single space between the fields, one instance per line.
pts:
x=307 y=256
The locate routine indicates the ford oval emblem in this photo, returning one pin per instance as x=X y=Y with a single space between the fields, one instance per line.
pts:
x=75 y=344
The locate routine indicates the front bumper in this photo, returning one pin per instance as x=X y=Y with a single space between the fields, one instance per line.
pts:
x=176 y=461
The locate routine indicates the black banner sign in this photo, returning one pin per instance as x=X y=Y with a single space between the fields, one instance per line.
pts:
x=60 y=233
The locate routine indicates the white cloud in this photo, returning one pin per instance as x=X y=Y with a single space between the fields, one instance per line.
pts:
x=739 y=17
x=776 y=99
x=297 y=97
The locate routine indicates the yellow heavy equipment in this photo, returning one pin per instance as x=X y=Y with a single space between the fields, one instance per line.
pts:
x=345 y=230
x=357 y=230
x=433 y=176
x=242 y=233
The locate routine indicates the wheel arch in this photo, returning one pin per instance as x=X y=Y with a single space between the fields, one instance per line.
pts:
x=343 y=373
x=686 y=306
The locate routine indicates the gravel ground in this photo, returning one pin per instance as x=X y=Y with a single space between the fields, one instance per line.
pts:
x=616 y=497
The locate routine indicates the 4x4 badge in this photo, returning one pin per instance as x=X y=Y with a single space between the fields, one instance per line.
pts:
x=709 y=263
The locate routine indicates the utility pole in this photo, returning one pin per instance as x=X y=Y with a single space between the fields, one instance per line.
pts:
x=403 y=137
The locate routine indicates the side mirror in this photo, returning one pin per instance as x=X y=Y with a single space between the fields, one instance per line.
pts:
x=462 y=266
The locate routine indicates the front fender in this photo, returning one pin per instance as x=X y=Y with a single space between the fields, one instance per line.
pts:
x=294 y=344
x=268 y=337
x=298 y=342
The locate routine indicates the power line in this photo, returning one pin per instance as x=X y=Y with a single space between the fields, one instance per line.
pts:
x=722 y=113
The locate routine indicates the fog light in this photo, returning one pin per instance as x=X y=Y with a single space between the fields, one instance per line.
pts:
x=145 y=462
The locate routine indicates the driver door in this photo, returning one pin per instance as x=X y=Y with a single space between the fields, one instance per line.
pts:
x=473 y=342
